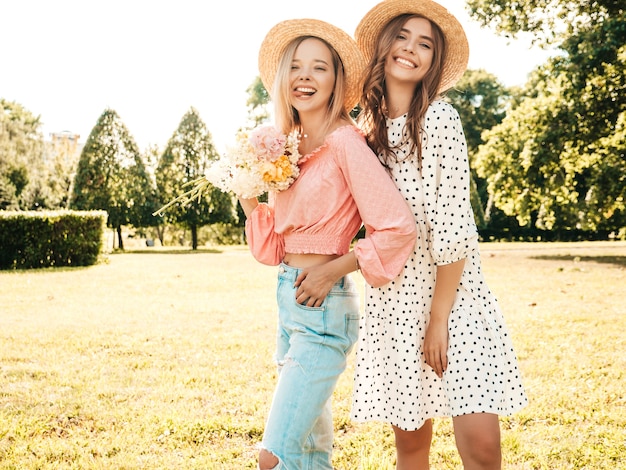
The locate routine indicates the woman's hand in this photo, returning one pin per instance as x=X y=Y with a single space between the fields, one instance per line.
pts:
x=436 y=346
x=314 y=284
x=436 y=338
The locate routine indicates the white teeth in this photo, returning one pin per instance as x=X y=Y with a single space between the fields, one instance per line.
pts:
x=405 y=62
x=306 y=90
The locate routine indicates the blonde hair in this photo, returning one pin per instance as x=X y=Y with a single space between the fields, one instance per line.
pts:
x=373 y=115
x=286 y=116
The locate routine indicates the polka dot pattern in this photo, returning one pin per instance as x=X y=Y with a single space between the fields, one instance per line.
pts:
x=393 y=383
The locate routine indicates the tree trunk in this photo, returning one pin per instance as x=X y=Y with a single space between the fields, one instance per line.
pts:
x=160 y=230
x=119 y=238
x=488 y=208
x=194 y=237
x=479 y=213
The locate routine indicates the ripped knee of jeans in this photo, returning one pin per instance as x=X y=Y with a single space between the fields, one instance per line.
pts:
x=287 y=361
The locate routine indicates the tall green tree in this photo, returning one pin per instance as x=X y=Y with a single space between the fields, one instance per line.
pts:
x=550 y=22
x=481 y=101
x=111 y=176
x=257 y=103
x=556 y=161
x=21 y=160
x=186 y=158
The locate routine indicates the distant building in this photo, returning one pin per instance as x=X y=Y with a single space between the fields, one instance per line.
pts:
x=63 y=146
x=65 y=140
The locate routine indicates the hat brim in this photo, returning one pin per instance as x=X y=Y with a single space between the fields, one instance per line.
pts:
x=457 y=54
x=282 y=34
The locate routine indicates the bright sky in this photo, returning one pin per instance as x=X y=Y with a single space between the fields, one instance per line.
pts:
x=151 y=60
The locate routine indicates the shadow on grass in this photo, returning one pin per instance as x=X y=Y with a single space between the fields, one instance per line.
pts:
x=616 y=260
x=166 y=251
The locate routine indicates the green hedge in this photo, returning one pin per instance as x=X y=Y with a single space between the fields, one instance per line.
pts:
x=44 y=239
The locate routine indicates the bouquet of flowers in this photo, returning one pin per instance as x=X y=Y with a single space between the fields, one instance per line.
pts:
x=262 y=160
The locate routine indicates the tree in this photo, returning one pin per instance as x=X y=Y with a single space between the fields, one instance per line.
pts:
x=556 y=161
x=549 y=21
x=481 y=101
x=188 y=153
x=258 y=99
x=111 y=176
x=21 y=162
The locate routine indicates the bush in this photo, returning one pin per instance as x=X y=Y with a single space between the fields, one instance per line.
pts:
x=45 y=239
x=222 y=234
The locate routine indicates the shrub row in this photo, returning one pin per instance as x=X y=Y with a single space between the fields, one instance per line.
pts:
x=45 y=239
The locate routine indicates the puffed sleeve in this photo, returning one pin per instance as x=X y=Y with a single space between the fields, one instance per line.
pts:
x=265 y=244
x=446 y=177
x=390 y=228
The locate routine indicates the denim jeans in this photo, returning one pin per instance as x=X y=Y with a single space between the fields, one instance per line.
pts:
x=312 y=348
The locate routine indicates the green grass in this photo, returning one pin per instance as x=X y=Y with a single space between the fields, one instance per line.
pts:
x=162 y=359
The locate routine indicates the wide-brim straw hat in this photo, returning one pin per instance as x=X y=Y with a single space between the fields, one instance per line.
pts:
x=281 y=35
x=457 y=53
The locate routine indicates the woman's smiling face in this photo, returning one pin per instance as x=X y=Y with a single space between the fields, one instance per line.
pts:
x=411 y=54
x=312 y=76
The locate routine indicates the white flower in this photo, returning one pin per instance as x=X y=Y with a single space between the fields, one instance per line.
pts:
x=262 y=160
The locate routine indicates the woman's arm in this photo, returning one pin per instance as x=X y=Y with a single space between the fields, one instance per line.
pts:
x=436 y=340
x=265 y=244
x=248 y=205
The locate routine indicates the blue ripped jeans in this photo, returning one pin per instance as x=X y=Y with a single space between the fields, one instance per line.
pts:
x=313 y=345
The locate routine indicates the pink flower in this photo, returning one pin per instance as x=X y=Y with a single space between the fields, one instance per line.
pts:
x=268 y=142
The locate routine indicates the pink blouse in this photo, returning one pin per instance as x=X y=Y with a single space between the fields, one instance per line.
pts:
x=341 y=186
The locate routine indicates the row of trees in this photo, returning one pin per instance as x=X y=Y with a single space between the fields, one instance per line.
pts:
x=113 y=175
x=546 y=159
x=110 y=173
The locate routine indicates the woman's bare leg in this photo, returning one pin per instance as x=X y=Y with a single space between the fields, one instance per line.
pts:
x=478 y=441
x=413 y=447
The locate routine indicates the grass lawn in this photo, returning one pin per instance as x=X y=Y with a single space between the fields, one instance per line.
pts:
x=162 y=359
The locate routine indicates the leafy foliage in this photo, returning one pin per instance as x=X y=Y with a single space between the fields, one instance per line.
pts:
x=550 y=21
x=186 y=158
x=258 y=99
x=481 y=101
x=111 y=175
x=39 y=239
x=557 y=160
x=21 y=146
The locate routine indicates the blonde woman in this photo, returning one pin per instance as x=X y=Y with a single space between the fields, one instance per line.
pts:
x=311 y=70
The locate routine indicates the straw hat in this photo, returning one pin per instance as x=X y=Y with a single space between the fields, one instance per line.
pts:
x=457 y=54
x=281 y=35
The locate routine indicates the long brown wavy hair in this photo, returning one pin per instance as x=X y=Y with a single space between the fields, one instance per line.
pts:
x=374 y=110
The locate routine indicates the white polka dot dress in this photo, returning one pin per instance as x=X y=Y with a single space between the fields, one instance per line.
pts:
x=393 y=383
